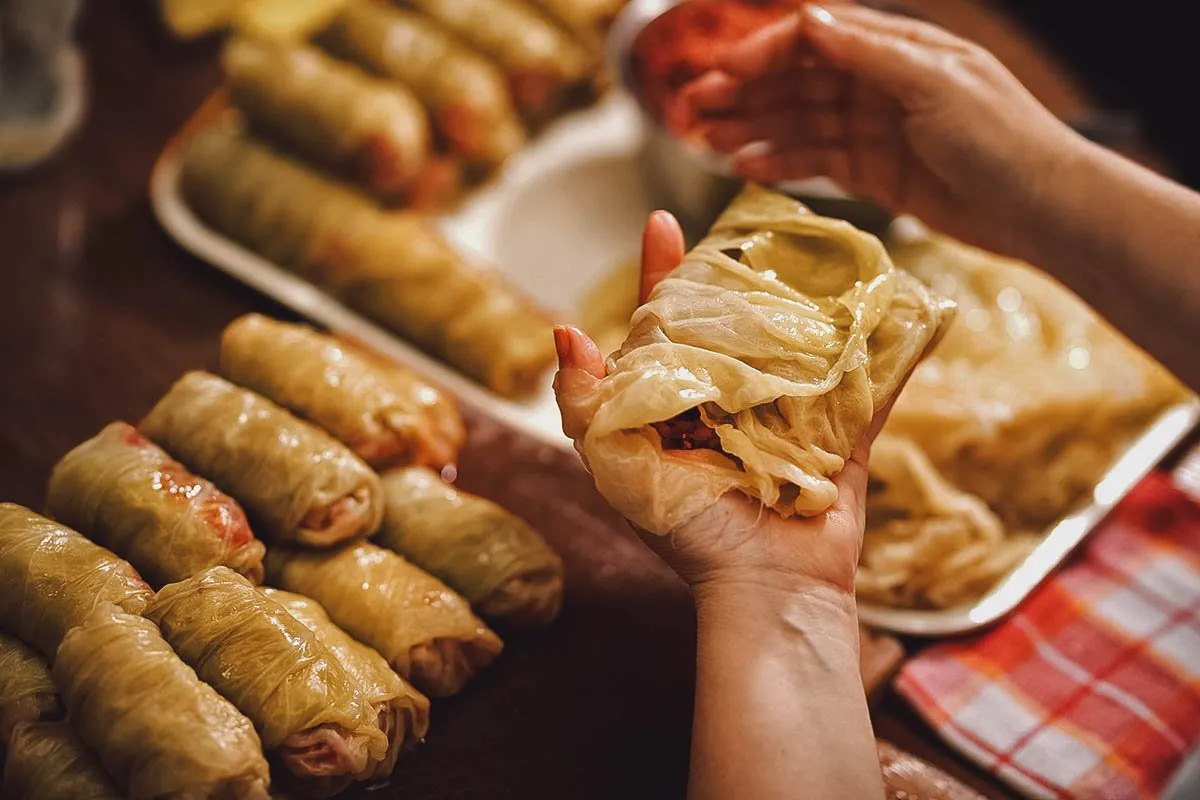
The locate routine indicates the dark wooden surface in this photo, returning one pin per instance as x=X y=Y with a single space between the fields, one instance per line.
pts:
x=100 y=312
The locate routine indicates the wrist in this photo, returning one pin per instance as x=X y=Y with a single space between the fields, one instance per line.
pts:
x=1045 y=212
x=798 y=606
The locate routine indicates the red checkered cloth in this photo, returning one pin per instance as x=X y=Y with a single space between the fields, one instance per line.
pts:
x=1092 y=689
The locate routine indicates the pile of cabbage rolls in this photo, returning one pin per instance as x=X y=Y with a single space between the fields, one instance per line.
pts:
x=141 y=654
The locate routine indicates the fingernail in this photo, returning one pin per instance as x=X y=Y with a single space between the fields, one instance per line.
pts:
x=562 y=343
x=820 y=15
x=819 y=21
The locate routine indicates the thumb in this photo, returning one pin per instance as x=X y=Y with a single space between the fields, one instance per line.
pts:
x=580 y=369
x=901 y=56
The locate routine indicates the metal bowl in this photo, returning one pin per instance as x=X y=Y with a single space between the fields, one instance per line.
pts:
x=694 y=184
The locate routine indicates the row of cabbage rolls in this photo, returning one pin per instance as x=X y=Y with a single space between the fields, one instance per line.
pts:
x=149 y=629
x=396 y=104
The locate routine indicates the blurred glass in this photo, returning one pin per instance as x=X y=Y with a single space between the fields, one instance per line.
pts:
x=41 y=79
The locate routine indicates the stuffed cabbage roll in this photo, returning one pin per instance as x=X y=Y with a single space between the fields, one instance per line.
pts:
x=297 y=482
x=127 y=494
x=54 y=578
x=500 y=564
x=300 y=698
x=757 y=366
x=541 y=61
x=46 y=761
x=157 y=728
x=403 y=711
x=383 y=412
x=423 y=628
x=372 y=130
x=27 y=693
x=466 y=94
x=393 y=267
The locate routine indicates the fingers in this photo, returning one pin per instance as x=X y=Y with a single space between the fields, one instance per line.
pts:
x=803 y=161
x=577 y=351
x=765 y=50
x=902 y=56
x=663 y=250
x=580 y=367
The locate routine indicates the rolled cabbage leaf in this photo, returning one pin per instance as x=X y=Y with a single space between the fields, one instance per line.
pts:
x=27 y=692
x=385 y=413
x=403 y=711
x=422 y=627
x=158 y=729
x=277 y=671
x=297 y=482
x=47 y=761
x=125 y=493
x=757 y=365
x=54 y=578
x=494 y=558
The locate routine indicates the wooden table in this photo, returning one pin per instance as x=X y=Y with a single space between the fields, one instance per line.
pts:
x=100 y=312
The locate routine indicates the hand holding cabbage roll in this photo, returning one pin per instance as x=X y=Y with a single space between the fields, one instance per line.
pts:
x=374 y=131
x=47 y=761
x=158 y=730
x=423 y=628
x=757 y=366
x=403 y=711
x=541 y=61
x=298 y=483
x=127 y=494
x=277 y=671
x=27 y=693
x=54 y=578
x=500 y=564
x=384 y=413
x=465 y=92
x=393 y=267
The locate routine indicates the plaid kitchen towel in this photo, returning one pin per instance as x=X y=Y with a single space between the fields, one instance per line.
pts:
x=1092 y=689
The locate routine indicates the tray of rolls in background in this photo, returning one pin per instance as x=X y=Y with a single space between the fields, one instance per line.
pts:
x=438 y=188
x=353 y=178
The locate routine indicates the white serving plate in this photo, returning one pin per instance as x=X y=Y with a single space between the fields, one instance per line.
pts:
x=564 y=214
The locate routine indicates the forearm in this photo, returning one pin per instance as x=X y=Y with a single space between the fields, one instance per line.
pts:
x=780 y=707
x=1127 y=241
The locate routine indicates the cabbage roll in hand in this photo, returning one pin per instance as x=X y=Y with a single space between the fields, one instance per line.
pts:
x=375 y=132
x=157 y=728
x=54 y=578
x=297 y=482
x=47 y=761
x=757 y=365
x=500 y=564
x=304 y=705
x=403 y=711
x=423 y=628
x=125 y=493
x=386 y=414
x=27 y=693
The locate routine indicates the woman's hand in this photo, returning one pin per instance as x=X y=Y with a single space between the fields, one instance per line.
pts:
x=895 y=110
x=779 y=697
x=736 y=543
